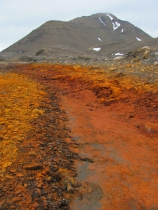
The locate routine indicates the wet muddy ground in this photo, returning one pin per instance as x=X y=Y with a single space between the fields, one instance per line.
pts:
x=96 y=136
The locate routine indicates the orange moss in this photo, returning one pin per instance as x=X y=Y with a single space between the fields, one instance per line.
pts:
x=19 y=101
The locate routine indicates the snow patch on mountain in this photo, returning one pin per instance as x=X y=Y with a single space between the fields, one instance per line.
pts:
x=96 y=48
x=138 y=39
x=99 y=39
x=111 y=18
x=116 y=25
x=102 y=21
x=118 y=53
x=122 y=31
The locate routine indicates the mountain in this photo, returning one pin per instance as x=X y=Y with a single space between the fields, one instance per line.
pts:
x=84 y=32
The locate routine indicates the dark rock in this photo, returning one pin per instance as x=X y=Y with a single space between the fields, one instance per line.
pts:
x=1 y=138
x=63 y=202
x=33 y=166
x=40 y=52
x=86 y=159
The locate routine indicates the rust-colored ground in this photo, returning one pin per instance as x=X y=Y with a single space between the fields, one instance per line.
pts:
x=36 y=167
x=112 y=114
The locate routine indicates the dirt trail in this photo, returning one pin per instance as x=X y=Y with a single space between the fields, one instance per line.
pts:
x=114 y=130
x=120 y=165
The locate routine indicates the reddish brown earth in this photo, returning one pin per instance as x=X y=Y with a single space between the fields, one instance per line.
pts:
x=112 y=115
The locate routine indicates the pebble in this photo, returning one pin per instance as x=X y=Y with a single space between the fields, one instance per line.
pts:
x=118 y=58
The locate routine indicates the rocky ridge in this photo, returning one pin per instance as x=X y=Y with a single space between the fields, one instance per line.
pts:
x=70 y=56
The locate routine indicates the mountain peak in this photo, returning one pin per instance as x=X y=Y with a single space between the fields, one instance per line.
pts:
x=82 y=33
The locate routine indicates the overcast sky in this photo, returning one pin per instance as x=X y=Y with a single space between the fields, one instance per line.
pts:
x=20 y=17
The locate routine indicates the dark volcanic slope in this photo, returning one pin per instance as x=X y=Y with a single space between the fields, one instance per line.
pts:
x=81 y=33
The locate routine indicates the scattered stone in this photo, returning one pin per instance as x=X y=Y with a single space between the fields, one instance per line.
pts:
x=118 y=58
x=146 y=48
x=146 y=54
x=156 y=63
x=67 y=179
